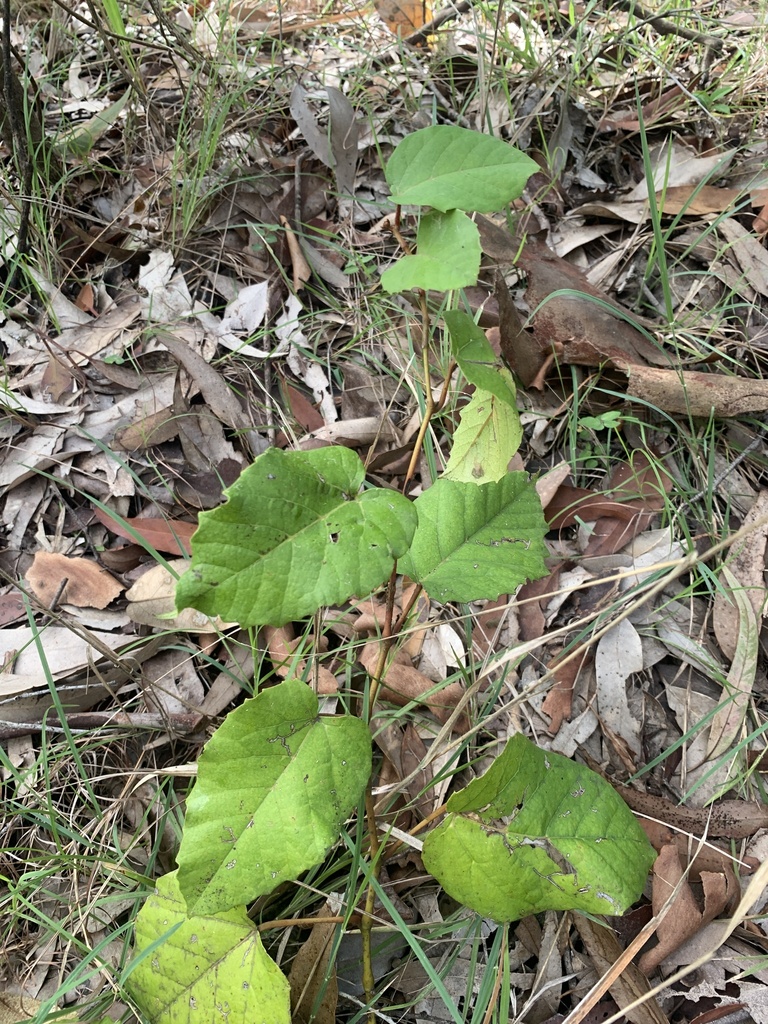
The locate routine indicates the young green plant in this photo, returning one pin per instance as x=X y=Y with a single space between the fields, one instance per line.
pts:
x=300 y=530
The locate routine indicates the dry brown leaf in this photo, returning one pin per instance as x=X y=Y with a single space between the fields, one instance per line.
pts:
x=558 y=703
x=153 y=429
x=170 y=537
x=694 y=393
x=685 y=917
x=630 y=983
x=308 y=973
x=281 y=644
x=403 y=684
x=578 y=330
x=152 y=602
x=403 y=16
x=486 y=625
x=54 y=578
x=749 y=252
x=698 y=200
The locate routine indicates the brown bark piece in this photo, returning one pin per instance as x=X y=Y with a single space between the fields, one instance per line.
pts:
x=729 y=819
x=694 y=393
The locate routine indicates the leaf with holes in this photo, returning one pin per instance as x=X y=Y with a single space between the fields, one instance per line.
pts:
x=539 y=832
x=297 y=532
x=274 y=785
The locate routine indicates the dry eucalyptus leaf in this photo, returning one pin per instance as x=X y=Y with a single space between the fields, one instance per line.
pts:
x=78 y=581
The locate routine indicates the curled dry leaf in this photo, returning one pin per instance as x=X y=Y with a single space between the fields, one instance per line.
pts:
x=55 y=578
x=699 y=856
x=685 y=917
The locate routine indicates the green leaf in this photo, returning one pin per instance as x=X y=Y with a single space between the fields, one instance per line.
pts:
x=203 y=968
x=539 y=832
x=485 y=440
x=475 y=542
x=454 y=168
x=476 y=359
x=447 y=256
x=80 y=140
x=274 y=785
x=295 y=533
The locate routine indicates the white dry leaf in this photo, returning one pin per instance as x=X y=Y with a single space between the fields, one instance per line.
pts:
x=166 y=298
x=572 y=233
x=675 y=164
x=726 y=726
x=21 y=505
x=246 y=313
x=680 y=643
x=569 y=581
x=288 y=327
x=749 y=252
x=363 y=430
x=574 y=734
x=172 y=683
x=691 y=708
x=152 y=602
x=66 y=655
x=80 y=88
x=314 y=376
x=136 y=407
x=746 y=568
x=30 y=406
x=208 y=32
x=442 y=649
x=23 y=460
x=619 y=655
x=64 y=313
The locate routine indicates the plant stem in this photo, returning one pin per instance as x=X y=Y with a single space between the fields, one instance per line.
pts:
x=366 y=925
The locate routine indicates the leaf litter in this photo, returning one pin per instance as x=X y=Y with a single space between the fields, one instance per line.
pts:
x=203 y=304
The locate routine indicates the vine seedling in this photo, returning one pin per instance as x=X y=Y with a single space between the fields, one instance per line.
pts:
x=278 y=780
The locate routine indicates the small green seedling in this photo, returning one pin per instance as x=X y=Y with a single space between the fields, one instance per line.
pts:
x=300 y=531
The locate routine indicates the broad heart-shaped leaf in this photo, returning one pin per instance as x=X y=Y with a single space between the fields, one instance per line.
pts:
x=476 y=359
x=206 y=968
x=539 y=832
x=477 y=541
x=454 y=168
x=274 y=785
x=295 y=533
x=485 y=440
x=447 y=256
